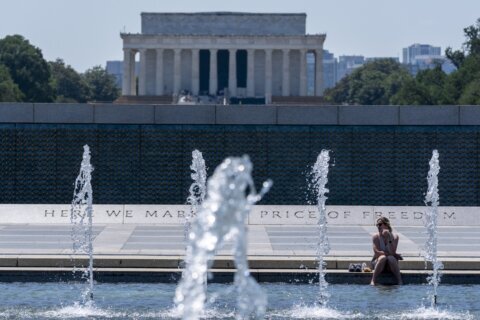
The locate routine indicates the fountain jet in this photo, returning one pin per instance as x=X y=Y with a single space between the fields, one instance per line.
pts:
x=319 y=180
x=81 y=209
x=197 y=190
x=432 y=201
x=221 y=218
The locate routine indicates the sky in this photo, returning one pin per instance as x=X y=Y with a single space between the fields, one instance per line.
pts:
x=86 y=33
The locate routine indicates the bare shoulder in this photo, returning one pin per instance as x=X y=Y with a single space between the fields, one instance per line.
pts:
x=375 y=236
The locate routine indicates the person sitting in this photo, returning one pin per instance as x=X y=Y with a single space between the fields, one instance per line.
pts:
x=385 y=244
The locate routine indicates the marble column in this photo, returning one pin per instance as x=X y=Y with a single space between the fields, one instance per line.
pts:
x=213 y=72
x=250 y=73
x=268 y=76
x=159 y=73
x=303 y=72
x=286 y=73
x=177 y=71
x=232 y=72
x=142 y=77
x=318 y=72
x=126 y=78
x=133 y=76
x=195 y=71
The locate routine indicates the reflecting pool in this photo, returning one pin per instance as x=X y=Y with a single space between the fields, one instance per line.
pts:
x=285 y=301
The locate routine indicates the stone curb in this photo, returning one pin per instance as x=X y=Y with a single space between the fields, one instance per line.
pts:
x=299 y=264
x=166 y=275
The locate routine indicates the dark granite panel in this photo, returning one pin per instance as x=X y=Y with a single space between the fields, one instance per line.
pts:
x=70 y=140
x=210 y=141
x=117 y=168
x=335 y=139
x=373 y=171
x=8 y=163
x=36 y=164
x=459 y=171
x=252 y=141
x=149 y=164
x=413 y=151
x=288 y=165
x=162 y=166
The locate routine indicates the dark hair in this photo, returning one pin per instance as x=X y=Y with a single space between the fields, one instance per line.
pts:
x=385 y=221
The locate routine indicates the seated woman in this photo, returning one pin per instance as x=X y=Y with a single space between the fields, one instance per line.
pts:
x=385 y=251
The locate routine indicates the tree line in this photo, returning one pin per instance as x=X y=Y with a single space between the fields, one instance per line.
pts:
x=25 y=76
x=387 y=82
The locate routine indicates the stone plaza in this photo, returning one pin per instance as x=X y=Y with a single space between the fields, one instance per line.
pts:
x=142 y=153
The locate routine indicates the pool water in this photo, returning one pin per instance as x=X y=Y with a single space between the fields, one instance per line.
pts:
x=285 y=301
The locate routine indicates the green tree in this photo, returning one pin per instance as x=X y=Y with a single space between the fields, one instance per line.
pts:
x=412 y=93
x=434 y=81
x=472 y=33
x=373 y=83
x=471 y=46
x=471 y=94
x=9 y=91
x=102 y=86
x=427 y=88
x=27 y=67
x=459 y=80
x=456 y=57
x=69 y=86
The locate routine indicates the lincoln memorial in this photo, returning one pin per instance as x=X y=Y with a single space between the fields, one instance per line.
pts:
x=245 y=55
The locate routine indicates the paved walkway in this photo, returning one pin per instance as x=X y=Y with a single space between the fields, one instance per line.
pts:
x=128 y=240
x=155 y=253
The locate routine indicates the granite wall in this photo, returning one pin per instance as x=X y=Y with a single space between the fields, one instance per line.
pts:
x=149 y=163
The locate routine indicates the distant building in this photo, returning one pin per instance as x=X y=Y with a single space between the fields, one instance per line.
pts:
x=335 y=69
x=430 y=62
x=329 y=70
x=410 y=53
x=419 y=57
x=447 y=66
x=346 y=65
x=115 y=68
x=371 y=59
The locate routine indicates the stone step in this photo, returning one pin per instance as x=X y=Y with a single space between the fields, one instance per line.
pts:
x=173 y=275
x=299 y=264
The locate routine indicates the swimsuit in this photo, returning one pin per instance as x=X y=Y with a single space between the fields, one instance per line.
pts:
x=383 y=247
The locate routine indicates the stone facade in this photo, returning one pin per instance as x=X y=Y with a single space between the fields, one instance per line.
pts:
x=247 y=54
x=223 y=23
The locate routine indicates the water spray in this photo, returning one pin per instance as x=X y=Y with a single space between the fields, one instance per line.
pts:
x=197 y=190
x=320 y=179
x=432 y=200
x=230 y=197
x=81 y=208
